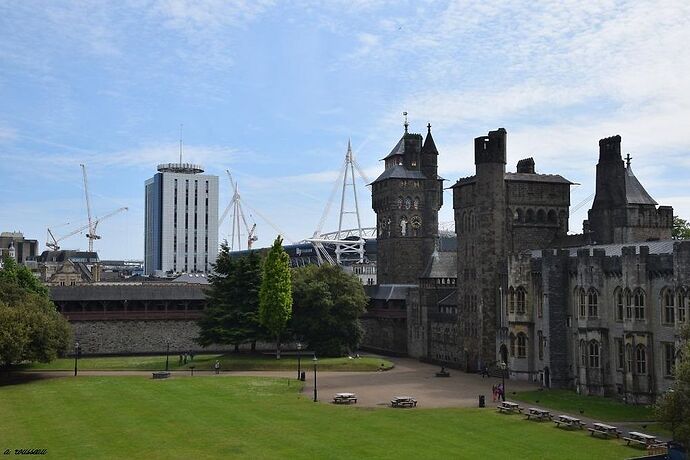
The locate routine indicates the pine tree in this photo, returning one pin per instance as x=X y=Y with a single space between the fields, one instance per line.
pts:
x=275 y=295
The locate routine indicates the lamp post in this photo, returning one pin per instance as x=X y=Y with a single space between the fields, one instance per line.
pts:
x=315 y=393
x=167 y=353
x=504 y=366
x=299 y=360
x=77 y=352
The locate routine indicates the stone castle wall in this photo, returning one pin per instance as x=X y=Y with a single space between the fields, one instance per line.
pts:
x=387 y=335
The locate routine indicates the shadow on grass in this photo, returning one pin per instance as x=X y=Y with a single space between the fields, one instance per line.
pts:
x=9 y=377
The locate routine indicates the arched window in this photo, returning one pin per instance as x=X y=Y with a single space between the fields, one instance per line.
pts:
x=583 y=303
x=551 y=217
x=629 y=357
x=669 y=307
x=400 y=202
x=592 y=306
x=519 y=215
x=529 y=218
x=594 y=354
x=682 y=306
x=408 y=202
x=628 y=303
x=639 y=300
x=541 y=216
x=521 y=345
x=511 y=299
x=641 y=359
x=541 y=344
x=472 y=222
x=415 y=202
x=512 y=345
x=521 y=295
x=618 y=298
x=583 y=353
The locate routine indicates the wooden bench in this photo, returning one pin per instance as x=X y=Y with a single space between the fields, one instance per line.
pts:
x=604 y=430
x=538 y=414
x=403 y=401
x=345 y=398
x=509 y=407
x=161 y=375
x=569 y=422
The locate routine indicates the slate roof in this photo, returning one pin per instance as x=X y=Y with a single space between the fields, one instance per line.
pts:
x=655 y=247
x=634 y=191
x=399 y=172
x=390 y=291
x=442 y=265
x=522 y=177
x=399 y=149
x=128 y=291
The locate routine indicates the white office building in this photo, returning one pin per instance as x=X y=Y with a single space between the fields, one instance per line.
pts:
x=181 y=220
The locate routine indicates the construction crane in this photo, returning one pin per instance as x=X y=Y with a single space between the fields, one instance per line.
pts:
x=93 y=223
x=52 y=242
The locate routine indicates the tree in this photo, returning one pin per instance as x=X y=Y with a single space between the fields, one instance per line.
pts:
x=327 y=303
x=275 y=295
x=681 y=229
x=673 y=408
x=231 y=315
x=31 y=329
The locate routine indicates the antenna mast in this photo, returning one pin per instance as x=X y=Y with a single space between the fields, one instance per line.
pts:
x=180 y=143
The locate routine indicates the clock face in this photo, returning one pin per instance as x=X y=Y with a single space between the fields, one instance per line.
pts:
x=416 y=221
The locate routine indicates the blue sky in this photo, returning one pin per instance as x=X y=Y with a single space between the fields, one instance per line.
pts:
x=273 y=90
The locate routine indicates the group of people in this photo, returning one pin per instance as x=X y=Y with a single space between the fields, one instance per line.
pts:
x=497 y=392
x=188 y=355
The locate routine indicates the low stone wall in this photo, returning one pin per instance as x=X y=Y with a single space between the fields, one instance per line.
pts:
x=134 y=337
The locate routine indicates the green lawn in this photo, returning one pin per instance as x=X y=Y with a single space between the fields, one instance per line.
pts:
x=605 y=409
x=235 y=362
x=243 y=417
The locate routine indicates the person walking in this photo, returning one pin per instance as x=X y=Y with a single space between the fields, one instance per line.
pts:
x=216 y=366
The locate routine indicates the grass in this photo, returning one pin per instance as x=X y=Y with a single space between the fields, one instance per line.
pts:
x=235 y=362
x=261 y=418
x=596 y=407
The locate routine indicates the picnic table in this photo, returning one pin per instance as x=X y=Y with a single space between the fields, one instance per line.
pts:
x=569 y=422
x=403 y=401
x=640 y=438
x=509 y=407
x=534 y=413
x=604 y=430
x=345 y=398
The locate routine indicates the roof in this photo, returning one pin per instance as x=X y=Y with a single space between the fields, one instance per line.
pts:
x=442 y=265
x=634 y=191
x=390 y=291
x=399 y=148
x=196 y=278
x=399 y=172
x=521 y=177
x=128 y=291
x=655 y=247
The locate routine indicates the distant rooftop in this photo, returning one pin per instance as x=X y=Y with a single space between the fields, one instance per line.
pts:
x=182 y=168
x=655 y=247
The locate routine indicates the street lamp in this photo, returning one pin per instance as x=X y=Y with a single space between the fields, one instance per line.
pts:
x=77 y=352
x=315 y=394
x=299 y=360
x=167 y=353
x=503 y=366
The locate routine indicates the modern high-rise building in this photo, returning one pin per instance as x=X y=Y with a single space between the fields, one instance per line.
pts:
x=181 y=221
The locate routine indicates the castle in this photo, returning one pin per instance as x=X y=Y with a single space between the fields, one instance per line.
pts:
x=598 y=311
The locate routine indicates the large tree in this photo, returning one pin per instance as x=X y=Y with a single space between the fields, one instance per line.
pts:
x=31 y=329
x=275 y=295
x=681 y=229
x=231 y=315
x=327 y=303
x=673 y=408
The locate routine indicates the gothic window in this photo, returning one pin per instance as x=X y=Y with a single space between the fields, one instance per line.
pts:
x=512 y=345
x=511 y=299
x=540 y=305
x=541 y=344
x=415 y=202
x=618 y=297
x=583 y=303
x=520 y=294
x=518 y=215
x=629 y=357
x=408 y=202
x=583 y=353
x=521 y=345
x=592 y=305
x=682 y=306
x=541 y=216
x=551 y=217
x=530 y=216
x=472 y=221
x=403 y=226
x=628 y=304
x=669 y=359
x=639 y=304
x=669 y=307
x=641 y=359
x=400 y=202
x=594 y=354
x=620 y=354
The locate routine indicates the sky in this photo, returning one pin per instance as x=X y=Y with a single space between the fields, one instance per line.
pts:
x=273 y=91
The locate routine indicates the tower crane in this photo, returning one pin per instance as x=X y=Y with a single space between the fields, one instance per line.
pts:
x=93 y=223
x=52 y=242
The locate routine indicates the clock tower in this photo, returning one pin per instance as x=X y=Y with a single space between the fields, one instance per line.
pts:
x=406 y=198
